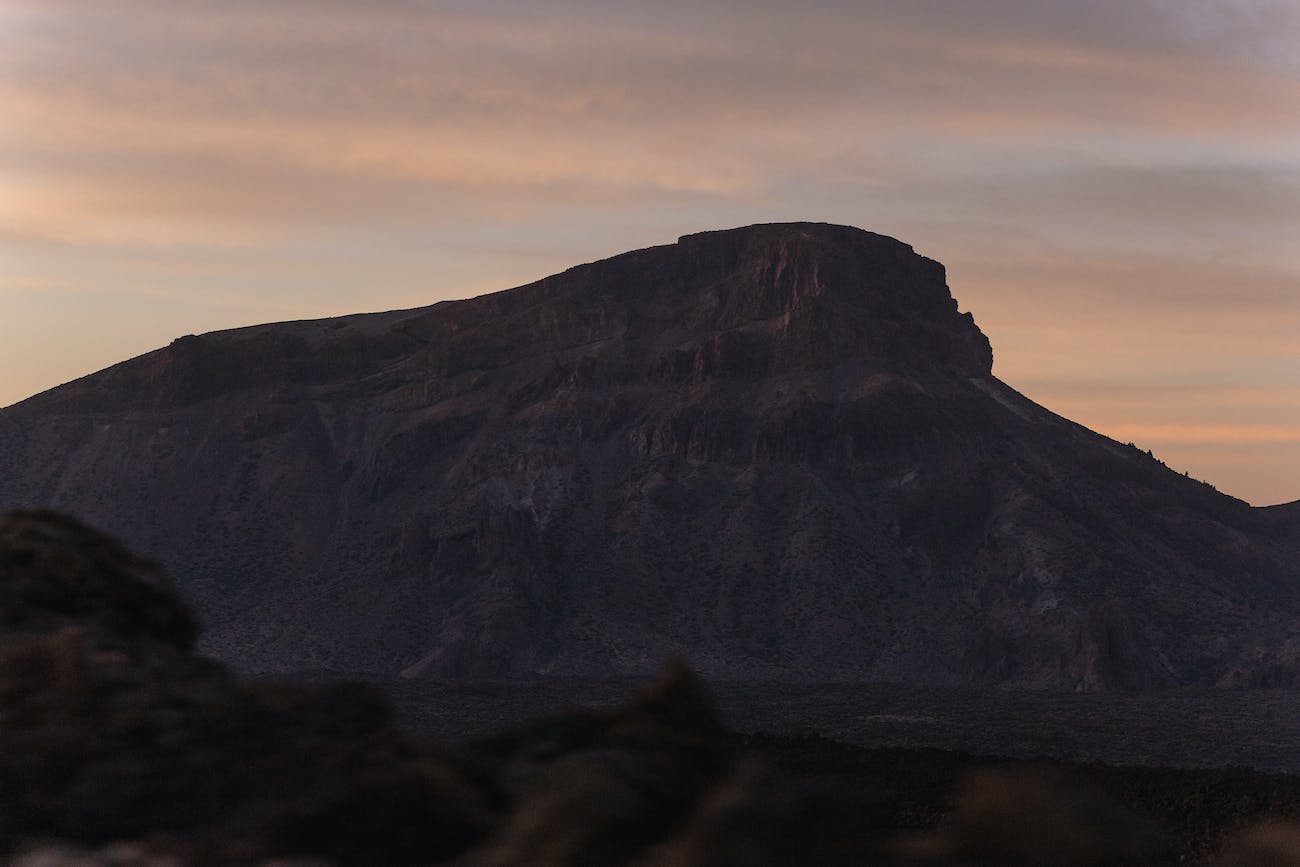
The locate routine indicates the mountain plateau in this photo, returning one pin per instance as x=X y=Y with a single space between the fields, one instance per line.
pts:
x=778 y=452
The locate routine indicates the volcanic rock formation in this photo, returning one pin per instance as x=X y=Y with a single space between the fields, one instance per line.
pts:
x=123 y=748
x=777 y=451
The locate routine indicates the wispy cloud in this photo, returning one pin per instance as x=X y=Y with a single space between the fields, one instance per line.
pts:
x=1110 y=183
x=245 y=111
x=1235 y=434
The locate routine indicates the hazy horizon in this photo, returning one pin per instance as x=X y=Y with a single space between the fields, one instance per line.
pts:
x=1113 y=187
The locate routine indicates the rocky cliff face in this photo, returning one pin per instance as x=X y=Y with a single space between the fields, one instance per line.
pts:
x=777 y=451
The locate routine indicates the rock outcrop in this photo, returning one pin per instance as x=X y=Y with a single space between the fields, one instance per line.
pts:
x=122 y=748
x=778 y=452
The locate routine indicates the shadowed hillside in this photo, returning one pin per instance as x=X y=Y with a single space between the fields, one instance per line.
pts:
x=778 y=451
x=124 y=747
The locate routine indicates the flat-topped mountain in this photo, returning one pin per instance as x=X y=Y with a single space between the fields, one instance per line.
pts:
x=776 y=451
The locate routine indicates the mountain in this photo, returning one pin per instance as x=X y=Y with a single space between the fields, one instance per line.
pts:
x=776 y=451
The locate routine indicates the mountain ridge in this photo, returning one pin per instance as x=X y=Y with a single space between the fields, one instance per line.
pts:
x=778 y=450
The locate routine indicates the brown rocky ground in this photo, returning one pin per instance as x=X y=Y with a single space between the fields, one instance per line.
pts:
x=121 y=746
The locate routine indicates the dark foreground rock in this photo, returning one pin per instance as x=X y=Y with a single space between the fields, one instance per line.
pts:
x=113 y=729
x=119 y=745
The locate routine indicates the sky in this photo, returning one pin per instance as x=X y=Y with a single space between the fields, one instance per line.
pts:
x=1114 y=186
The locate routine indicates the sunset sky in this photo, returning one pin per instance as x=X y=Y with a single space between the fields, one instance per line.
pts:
x=1114 y=185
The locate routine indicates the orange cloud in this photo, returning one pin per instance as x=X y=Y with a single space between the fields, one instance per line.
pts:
x=1114 y=185
x=1202 y=434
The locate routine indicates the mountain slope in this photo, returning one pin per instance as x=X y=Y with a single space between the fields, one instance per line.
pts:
x=778 y=451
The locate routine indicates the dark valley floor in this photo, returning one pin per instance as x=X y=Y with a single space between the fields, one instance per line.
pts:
x=124 y=747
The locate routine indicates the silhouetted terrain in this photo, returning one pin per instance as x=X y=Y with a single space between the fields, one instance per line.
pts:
x=1199 y=727
x=123 y=747
x=777 y=451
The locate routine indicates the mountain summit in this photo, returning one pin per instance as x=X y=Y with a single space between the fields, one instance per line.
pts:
x=777 y=451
